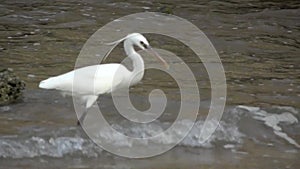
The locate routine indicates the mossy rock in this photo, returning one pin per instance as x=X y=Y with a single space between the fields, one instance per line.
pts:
x=11 y=87
x=166 y=9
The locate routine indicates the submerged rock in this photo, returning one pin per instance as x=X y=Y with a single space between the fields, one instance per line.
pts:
x=166 y=9
x=10 y=86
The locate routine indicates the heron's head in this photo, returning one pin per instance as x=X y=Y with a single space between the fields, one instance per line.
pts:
x=138 y=40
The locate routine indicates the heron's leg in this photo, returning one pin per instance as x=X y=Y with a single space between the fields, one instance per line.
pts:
x=82 y=117
x=90 y=100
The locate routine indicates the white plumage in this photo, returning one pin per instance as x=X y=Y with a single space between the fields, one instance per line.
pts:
x=101 y=75
x=92 y=81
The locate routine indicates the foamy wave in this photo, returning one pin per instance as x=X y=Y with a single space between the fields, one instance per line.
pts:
x=272 y=120
x=60 y=146
x=231 y=132
x=53 y=147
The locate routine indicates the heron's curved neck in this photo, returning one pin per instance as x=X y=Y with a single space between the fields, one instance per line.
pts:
x=137 y=61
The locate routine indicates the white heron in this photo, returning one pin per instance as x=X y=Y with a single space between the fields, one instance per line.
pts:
x=105 y=78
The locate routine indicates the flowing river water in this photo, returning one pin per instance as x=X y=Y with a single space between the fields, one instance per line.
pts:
x=258 y=43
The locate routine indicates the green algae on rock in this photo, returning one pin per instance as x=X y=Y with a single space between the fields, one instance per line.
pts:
x=11 y=86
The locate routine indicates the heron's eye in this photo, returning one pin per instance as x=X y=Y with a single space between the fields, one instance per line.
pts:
x=143 y=44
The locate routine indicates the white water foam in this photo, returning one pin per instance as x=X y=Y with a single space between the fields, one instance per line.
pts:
x=226 y=132
x=274 y=120
x=72 y=140
x=59 y=146
x=53 y=147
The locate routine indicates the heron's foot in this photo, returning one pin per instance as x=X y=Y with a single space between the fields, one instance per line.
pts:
x=81 y=119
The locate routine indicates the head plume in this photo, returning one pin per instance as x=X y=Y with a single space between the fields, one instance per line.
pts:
x=115 y=43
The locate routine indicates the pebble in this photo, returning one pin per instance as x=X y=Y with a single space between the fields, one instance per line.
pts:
x=85 y=14
x=31 y=75
x=44 y=19
x=4 y=108
x=229 y=146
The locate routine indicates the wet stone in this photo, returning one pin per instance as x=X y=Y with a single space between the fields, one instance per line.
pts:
x=11 y=87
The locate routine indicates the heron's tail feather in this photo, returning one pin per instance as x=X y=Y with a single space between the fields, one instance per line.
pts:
x=50 y=83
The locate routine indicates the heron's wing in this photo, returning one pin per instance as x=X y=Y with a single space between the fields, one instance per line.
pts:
x=108 y=77
x=90 y=80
